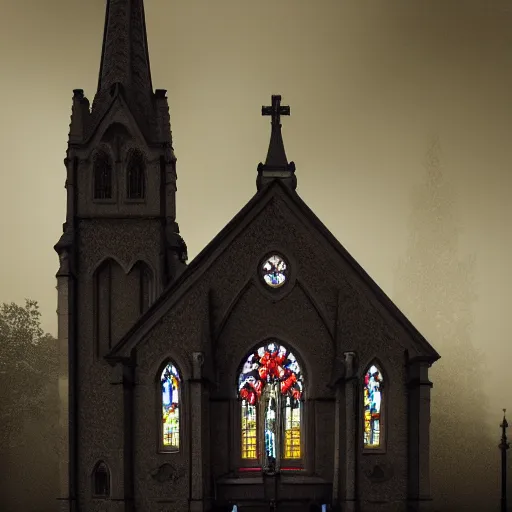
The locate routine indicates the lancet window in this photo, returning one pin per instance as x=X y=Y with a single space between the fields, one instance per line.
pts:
x=171 y=407
x=373 y=404
x=135 y=176
x=102 y=169
x=101 y=480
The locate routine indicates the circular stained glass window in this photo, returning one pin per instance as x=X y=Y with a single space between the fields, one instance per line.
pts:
x=274 y=270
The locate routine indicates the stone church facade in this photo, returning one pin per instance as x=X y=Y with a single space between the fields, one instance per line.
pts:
x=270 y=372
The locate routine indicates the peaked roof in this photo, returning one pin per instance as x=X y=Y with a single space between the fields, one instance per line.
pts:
x=125 y=63
x=210 y=253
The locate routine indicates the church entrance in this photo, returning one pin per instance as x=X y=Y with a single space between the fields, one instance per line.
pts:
x=273 y=493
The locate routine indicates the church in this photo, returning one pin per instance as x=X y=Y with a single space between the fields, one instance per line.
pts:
x=270 y=373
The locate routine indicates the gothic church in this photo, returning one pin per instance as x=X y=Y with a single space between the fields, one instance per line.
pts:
x=294 y=385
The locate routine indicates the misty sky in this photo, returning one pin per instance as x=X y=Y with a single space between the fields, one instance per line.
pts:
x=369 y=84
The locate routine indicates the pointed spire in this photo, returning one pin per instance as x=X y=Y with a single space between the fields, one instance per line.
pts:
x=125 y=57
x=125 y=64
x=276 y=165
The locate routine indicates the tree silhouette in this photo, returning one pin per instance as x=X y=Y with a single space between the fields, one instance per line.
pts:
x=28 y=411
x=435 y=288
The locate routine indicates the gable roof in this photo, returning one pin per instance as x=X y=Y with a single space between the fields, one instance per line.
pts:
x=212 y=250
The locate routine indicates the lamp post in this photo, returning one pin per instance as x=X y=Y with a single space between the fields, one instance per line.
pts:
x=504 y=446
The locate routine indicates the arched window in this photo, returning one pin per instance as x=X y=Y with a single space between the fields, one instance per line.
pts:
x=135 y=176
x=270 y=388
x=101 y=480
x=171 y=404
x=102 y=176
x=372 y=402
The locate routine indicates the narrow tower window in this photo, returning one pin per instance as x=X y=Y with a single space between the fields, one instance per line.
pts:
x=135 y=176
x=101 y=480
x=372 y=401
x=102 y=176
x=171 y=399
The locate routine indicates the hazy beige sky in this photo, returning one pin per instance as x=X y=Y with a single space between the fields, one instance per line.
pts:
x=369 y=83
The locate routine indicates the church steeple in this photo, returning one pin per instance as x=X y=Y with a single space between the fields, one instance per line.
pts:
x=125 y=64
x=276 y=165
x=124 y=56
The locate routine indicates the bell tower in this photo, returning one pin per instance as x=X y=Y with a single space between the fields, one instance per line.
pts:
x=120 y=245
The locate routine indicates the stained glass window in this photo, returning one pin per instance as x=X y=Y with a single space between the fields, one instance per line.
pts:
x=274 y=271
x=372 y=400
x=271 y=388
x=171 y=389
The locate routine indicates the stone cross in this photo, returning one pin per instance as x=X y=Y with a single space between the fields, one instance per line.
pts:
x=275 y=110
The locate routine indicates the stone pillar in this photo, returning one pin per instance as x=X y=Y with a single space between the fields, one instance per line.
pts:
x=199 y=501
x=339 y=437
x=67 y=427
x=351 y=432
x=338 y=384
x=63 y=336
x=66 y=318
x=129 y=438
x=419 y=435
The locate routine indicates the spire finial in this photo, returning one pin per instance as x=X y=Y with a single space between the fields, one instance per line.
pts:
x=276 y=165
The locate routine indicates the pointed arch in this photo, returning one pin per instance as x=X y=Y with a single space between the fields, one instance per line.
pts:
x=136 y=175
x=106 y=279
x=101 y=480
x=102 y=175
x=271 y=390
x=146 y=287
x=374 y=399
x=170 y=384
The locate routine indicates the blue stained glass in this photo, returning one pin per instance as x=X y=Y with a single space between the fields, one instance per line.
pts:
x=372 y=398
x=171 y=384
x=274 y=271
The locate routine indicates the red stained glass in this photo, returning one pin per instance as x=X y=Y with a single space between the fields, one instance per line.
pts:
x=270 y=363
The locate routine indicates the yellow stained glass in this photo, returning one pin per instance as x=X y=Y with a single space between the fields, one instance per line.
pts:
x=292 y=431
x=372 y=400
x=249 y=431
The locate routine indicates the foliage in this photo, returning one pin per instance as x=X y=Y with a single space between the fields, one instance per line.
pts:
x=28 y=361
x=28 y=408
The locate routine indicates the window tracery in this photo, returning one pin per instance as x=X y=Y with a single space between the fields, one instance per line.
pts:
x=271 y=390
x=274 y=271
